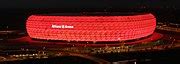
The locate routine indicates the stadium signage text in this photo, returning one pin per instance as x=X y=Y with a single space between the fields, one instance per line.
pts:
x=62 y=26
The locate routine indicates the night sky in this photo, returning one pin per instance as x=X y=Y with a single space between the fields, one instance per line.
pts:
x=13 y=13
x=87 y=3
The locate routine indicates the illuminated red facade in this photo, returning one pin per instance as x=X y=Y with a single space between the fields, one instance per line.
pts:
x=90 y=28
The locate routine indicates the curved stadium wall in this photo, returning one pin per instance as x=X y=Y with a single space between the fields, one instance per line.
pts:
x=90 y=28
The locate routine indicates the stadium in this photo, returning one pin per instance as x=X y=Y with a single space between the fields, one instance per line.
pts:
x=92 y=29
x=98 y=36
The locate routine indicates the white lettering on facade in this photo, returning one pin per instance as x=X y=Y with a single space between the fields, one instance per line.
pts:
x=62 y=26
